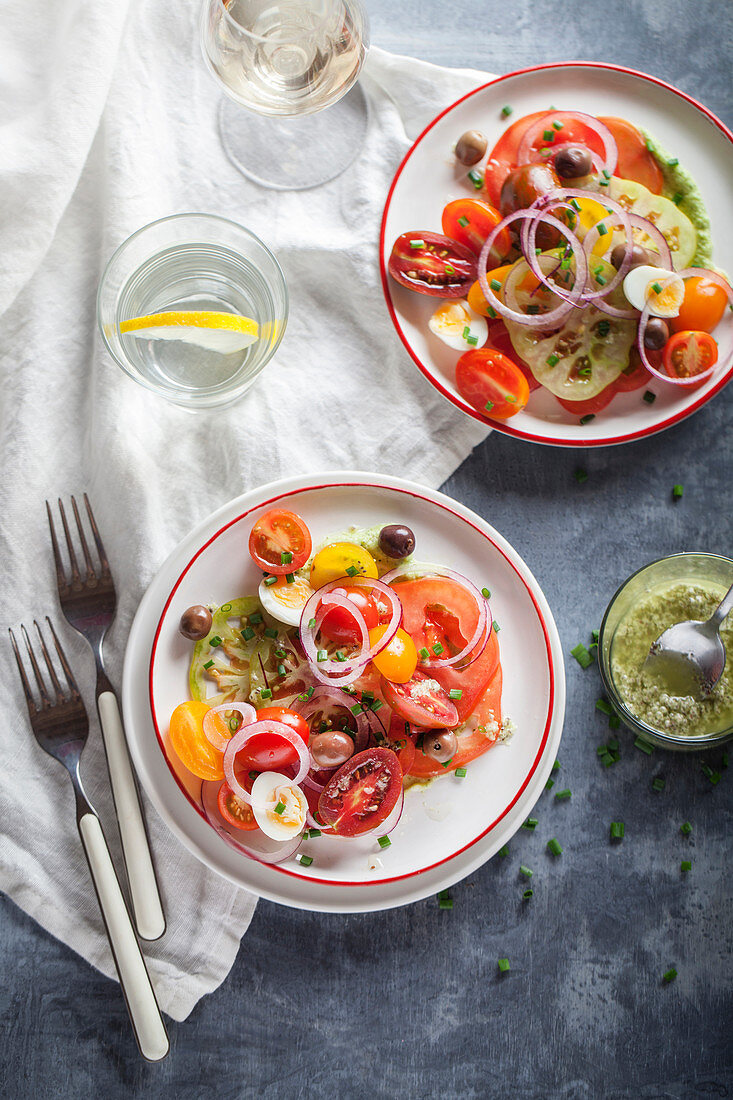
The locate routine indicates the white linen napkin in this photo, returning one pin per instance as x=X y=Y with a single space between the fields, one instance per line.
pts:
x=107 y=122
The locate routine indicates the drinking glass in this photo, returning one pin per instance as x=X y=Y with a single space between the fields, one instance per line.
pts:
x=192 y=262
x=287 y=66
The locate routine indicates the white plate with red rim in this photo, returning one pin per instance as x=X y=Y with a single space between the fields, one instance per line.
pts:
x=448 y=829
x=429 y=177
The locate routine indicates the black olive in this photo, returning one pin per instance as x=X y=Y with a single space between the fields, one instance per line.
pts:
x=656 y=333
x=639 y=256
x=396 y=541
x=195 y=622
x=573 y=163
x=441 y=745
x=331 y=748
x=470 y=147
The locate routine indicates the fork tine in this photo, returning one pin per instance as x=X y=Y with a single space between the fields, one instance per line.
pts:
x=97 y=537
x=24 y=679
x=60 y=571
x=75 y=575
x=91 y=573
x=36 y=670
x=64 y=663
x=60 y=697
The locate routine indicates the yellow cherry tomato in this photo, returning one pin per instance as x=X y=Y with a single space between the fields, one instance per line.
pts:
x=191 y=744
x=341 y=559
x=702 y=308
x=398 y=660
x=475 y=296
x=580 y=221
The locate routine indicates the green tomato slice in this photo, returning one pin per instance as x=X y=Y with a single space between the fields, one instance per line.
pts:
x=676 y=228
x=588 y=352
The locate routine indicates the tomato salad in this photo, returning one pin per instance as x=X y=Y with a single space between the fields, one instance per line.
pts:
x=567 y=268
x=352 y=673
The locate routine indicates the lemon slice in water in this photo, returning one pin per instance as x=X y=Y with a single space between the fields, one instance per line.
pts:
x=222 y=332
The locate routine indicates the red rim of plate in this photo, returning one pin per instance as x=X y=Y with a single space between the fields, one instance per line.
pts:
x=502 y=426
x=357 y=484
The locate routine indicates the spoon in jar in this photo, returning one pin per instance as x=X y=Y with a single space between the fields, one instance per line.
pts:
x=689 y=657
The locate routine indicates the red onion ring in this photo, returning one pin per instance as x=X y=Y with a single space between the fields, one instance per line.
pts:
x=609 y=144
x=243 y=735
x=540 y=320
x=321 y=695
x=214 y=738
x=577 y=294
x=687 y=273
x=483 y=626
x=262 y=848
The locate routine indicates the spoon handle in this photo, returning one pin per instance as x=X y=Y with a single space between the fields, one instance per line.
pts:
x=723 y=608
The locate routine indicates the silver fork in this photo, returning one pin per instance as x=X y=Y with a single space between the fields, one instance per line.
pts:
x=88 y=603
x=61 y=727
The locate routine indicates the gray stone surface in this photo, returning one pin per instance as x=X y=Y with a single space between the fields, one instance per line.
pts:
x=409 y=1002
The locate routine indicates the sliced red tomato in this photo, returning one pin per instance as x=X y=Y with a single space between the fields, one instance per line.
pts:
x=339 y=626
x=635 y=162
x=233 y=809
x=421 y=701
x=483 y=731
x=689 y=353
x=492 y=383
x=432 y=264
x=362 y=793
x=268 y=751
x=439 y=610
x=470 y=221
x=402 y=741
x=280 y=535
x=500 y=339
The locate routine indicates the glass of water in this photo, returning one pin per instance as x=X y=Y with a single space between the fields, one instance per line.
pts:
x=287 y=66
x=193 y=270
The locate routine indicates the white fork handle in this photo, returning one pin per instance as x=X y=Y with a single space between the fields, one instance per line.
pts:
x=146 y=904
x=147 y=1022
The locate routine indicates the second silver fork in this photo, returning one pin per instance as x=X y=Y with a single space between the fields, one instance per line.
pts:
x=88 y=602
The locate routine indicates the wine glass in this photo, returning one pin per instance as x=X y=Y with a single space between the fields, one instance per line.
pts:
x=290 y=63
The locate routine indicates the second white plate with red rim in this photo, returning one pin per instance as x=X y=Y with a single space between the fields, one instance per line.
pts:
x=429 y=177
x=448 y=829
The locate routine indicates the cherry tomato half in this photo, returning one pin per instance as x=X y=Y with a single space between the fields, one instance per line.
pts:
x=280 y=534
x=432 y=264
x=689 y=353
x=421 y=701
x=398 y=660
x=702 y=308
x=362 y=793
x=233 y=809
x=339 y=626
x=191 y=744
x=470 y=221
x=269 y=751
x=492 y=383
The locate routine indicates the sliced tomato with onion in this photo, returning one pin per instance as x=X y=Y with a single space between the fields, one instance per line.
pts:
x=234 y=810
x=362 y=793
x=635 y=162
x=432 y=264
x=339 y=626
x=421 y=701
x=480 y=734
x=471 y=221
x=279 y=535
x=492 y=383
x=689 y=353
x=268 y=752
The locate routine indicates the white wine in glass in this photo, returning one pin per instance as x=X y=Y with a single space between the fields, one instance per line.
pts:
x=287 y=61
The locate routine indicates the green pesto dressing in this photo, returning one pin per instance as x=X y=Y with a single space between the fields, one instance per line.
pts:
x=680 y=186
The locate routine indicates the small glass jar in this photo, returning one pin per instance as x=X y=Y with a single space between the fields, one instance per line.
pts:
x=709 y=571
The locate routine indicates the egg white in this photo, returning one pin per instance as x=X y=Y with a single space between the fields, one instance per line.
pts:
x=270 y=788
x=638 y=284
x=452 y=319
x=285 y=602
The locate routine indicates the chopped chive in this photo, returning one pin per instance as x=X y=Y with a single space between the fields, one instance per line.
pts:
x=280 y=808
x=677 y=198
x=460 y=773
x=613 y=745
x=673 y=162
x=561 y=796
x=248 y=633
x=473 y=341
x=640 y=743
x=527 y=894
x=724 y=760
x=602 y=229
x=437 y=649
x=603 y=328
x=489 y=406
x=525 y=871
x=603 y=183
x=339 y=655
x=383 y=841
x=280 y=653
x=587 y=419
x=266 y=693
x=576 y=205
x=225 y=607
x=713 y=776
x=601 y=280
x=270 y=632
x=657 y=288
x=208 y=664
x=255 y=618
x=658 y=784
x=303 y=860
x=552 y=360
x=423 y=654
x=554 y=847
x=581 y=475
x=215 y=641
x=455 y=693
x=466 y=332
x=357 y=709
x=495 y=284
x=530 y=823
x=532 y=309
x=290 y=578
x=476 y=179
x=557 y=125
x=281 y=670
x=449 y=269
x=312 y=833
x=549 y=784
x=269 y=581
x=352 y=571
x=417 y=243
x=685 y=828
x=548 y=135
x=607 y=759
x=686 y=865
x=582 y=656
x=595 y=635
x=486 y=593
x=367 y=696
x=312 y=624
x=503 y=851
x=669 y=975
x=286 y=557
x=253 y=775
x=506 y=110
x=604 y=706
x=463 y=221
x=618 y=830
x=606 y=174
x=445 y=901
x=321 y=655
x=503 y=965
x=496 y=627
x=556 y=766
x=491 y=312
x=677 y=491
x=377 y=704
